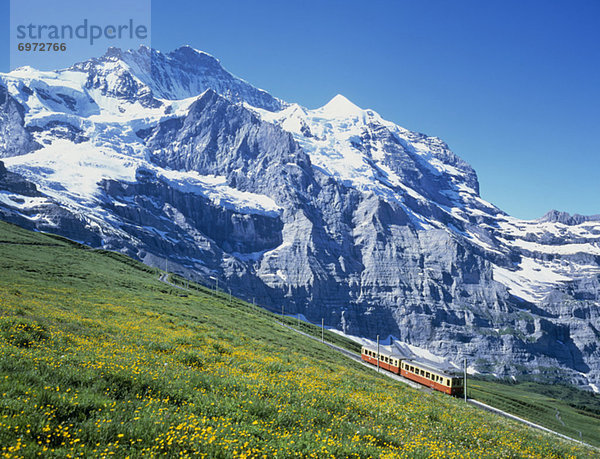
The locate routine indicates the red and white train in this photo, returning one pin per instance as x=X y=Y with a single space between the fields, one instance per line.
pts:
x=427 y=375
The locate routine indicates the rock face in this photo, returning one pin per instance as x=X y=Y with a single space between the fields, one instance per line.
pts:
x=334 y=213
x=14 y=139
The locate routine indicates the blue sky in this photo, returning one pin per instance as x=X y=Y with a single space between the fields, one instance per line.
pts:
x=512 y=86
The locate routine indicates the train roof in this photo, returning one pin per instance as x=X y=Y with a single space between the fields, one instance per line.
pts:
x=440 y=371
x=386 y=352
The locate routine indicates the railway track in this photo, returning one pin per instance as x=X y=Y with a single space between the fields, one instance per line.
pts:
x=414 y=385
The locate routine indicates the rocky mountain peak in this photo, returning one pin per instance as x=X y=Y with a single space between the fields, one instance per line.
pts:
x=566 y=218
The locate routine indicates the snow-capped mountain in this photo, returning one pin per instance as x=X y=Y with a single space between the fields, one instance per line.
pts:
x=332 y=212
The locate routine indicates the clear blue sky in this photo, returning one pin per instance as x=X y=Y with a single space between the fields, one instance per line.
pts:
x=512 y=86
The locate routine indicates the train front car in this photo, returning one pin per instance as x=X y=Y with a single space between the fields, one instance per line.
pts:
x=436 y=378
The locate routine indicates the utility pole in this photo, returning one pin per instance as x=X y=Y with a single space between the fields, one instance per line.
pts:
x=465 y=380
x=377 y=353
x=282 y=310
x=298 y=316
x=230 y=299
x=322 y=330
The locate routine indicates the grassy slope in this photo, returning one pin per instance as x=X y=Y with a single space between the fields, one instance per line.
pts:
x=578 y=410
x=97 y=357
x=561 y=408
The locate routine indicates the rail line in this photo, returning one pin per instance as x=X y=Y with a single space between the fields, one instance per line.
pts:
x=403 y=380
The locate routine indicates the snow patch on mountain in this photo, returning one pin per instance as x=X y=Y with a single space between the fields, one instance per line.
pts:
x=74 y=170
x=532 y=281
x=71 y=173
x=220 y=193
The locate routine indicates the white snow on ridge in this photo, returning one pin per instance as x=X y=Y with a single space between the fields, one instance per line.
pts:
x=340 y=107
x=562 y=249
x=74 y=170
x=331 y=136
x=70 y=173
x=534 y=279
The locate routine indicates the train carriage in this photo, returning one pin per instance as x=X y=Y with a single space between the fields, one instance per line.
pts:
x=387 y=360
x=449 y=383
x=425 y=374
